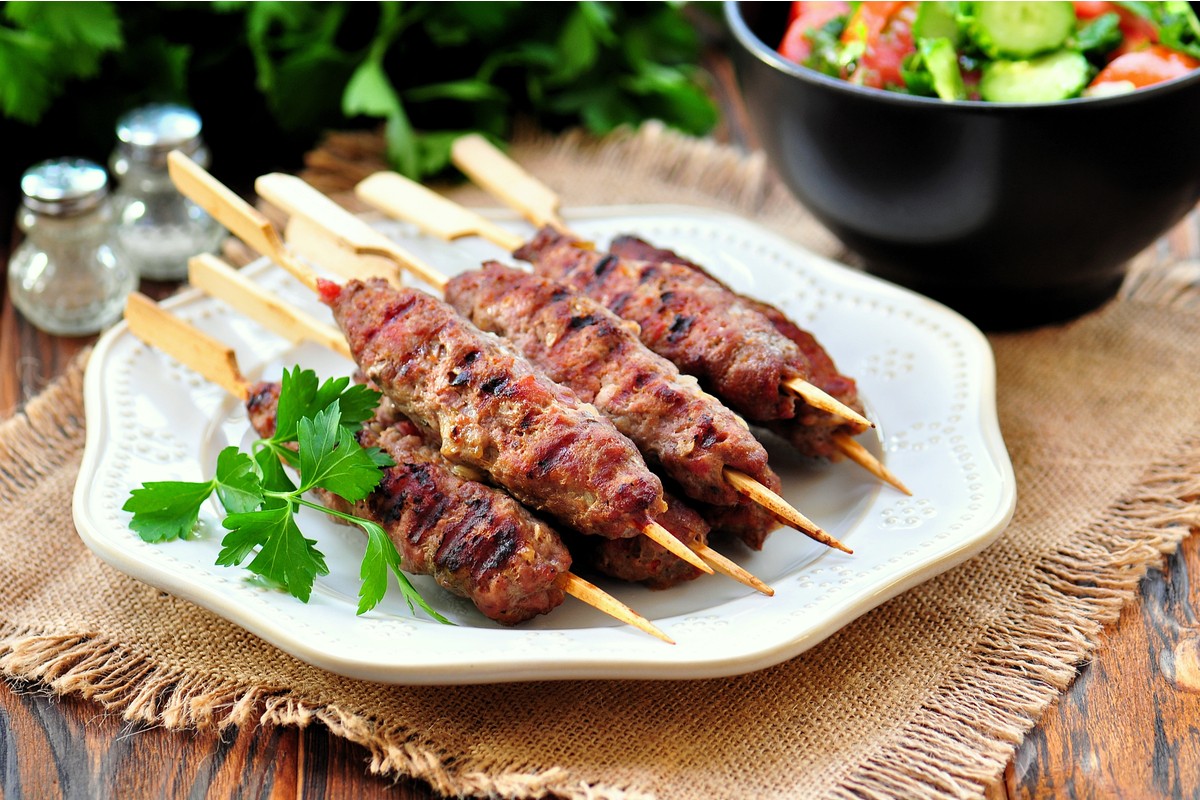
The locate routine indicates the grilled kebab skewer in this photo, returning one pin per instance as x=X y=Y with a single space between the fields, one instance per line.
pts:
x=491 y=550
x=822 y=371
x=670 y=305
x=484 y=406
x=699 y=442
x=635 y=560
x=503 y=178
x=500 y=176
x=745 y=361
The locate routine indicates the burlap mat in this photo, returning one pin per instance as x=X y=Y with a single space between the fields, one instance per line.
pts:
x=925 y=696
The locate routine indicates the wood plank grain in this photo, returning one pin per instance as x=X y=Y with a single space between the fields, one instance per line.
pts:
x=31 y=359
x=1129 y=726
x=67 y=747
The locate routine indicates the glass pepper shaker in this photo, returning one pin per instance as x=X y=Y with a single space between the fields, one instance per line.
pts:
x=66 y=276
x=157 y=227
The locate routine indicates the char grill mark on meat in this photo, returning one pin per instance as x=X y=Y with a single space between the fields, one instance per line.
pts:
x=583 y=345
x=810 y=431
x=489 y=409
x=694 y=322
x=822 y=371
x=473 y=540
x=637 y=558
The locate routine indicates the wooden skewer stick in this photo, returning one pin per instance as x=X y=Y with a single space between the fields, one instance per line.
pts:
x=218 y=363
x=247 y=224
x=854 y=450
x=501 y=177
x=731 y=569
x=667 y=540
x=309 y=207
x=817 y=397
x=297 y=198
x=505 y=179
x=242 y=219
x=601 y=600
x=780 y=508
x=440 y=216
x=312 y=243
x=195 y=349
x=220 y=280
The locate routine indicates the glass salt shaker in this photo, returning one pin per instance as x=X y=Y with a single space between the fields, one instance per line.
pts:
x=66 y=276
x=157 y=227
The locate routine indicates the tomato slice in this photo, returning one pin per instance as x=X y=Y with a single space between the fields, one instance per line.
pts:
x=1145 y=67
x=1136 y=31
x=802 y=19
x=884 y=31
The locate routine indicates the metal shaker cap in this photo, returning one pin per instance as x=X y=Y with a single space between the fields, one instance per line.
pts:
x=147 y=134
x=63 y=187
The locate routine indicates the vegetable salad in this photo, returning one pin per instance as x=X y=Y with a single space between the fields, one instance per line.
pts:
x=1003 y=52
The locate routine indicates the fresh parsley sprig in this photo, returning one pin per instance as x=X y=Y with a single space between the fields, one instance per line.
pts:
x=315 y=433
x=272 y=78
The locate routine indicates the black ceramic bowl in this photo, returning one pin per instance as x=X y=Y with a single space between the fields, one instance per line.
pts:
x=1014 y=214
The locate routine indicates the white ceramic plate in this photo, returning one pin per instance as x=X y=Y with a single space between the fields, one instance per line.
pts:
x=926 y=375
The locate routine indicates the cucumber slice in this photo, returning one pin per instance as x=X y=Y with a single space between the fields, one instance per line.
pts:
x=941 y=60
x=937 y=20
x=1021 y=30
x=1057 y=76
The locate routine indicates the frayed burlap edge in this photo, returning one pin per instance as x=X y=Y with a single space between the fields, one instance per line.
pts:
x=142 y=691
x=968 y=730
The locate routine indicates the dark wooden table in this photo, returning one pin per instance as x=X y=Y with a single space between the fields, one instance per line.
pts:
x=1128 y=727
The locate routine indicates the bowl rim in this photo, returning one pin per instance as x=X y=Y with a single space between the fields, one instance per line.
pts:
x=771 y=58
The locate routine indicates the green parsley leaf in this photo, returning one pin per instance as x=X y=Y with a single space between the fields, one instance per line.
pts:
x=379 y=558
x=285 y=556
x=273 y=476
x=357 y=403
x=297 y=393
x=261 y=499
x=332 y=459
x=239 y=486
x=302 y=395
x=166 y=510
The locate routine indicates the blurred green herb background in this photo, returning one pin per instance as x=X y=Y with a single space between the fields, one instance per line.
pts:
x=268 y=77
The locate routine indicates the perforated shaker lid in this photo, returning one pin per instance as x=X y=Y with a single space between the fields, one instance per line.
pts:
x=64 y=186
x=147 y=134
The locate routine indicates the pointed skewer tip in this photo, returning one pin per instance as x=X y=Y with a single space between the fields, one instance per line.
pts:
x=854 y=450
x=772 y=502
x=601 y=600
x=731 y=569
x=820 y=399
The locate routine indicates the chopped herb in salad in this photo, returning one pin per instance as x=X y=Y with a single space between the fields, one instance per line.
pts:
x=1010 y=52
